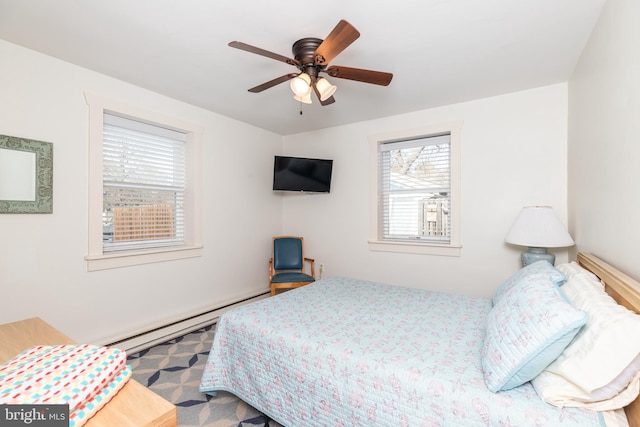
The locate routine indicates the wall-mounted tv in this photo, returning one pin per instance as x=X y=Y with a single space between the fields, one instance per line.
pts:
x=302 y=174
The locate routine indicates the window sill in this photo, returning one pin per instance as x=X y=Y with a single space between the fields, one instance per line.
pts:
x=415 y=248
x=130 y=258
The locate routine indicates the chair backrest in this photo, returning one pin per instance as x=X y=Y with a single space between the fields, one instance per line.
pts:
x=287 y=253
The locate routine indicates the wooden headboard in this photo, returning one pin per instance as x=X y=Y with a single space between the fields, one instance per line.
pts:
x=626 y=291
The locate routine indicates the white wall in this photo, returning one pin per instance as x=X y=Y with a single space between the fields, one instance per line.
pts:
x=604 y=139
x=42 y=269
x=513 y=154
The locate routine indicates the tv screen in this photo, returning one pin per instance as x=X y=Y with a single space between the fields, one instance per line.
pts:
x=301 y=174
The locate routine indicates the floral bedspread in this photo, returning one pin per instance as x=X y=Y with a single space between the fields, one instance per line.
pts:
x=345 y=352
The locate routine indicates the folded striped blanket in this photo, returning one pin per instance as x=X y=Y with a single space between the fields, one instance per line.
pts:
x=83 y=376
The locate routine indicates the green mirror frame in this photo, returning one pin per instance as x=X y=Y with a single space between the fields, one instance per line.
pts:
x=43 y=202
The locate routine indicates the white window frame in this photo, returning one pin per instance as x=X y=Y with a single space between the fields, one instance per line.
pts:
x=376 y=241
x=97 y=259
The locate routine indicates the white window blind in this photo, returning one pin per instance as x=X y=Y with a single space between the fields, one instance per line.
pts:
x=414 y=189
x=143 y=185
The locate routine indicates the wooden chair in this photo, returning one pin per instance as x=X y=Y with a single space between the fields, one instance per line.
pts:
x=286 y=267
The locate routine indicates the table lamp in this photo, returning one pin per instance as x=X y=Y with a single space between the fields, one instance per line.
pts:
x=539 y=228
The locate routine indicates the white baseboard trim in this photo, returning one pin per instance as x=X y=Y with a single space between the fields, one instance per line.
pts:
x=170 y=330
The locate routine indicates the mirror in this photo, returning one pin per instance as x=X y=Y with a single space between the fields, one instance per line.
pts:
x=26 y=175
x=17 y=175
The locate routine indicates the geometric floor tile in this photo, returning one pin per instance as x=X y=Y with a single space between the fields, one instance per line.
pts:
x=174 y=369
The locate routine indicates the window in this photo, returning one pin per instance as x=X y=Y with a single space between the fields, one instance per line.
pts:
x=414 y=190
x=144 y=198
x=143 y=185
x=415 y=204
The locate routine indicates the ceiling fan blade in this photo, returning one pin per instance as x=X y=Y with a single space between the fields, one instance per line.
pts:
x=327 y=101
x=257 y=50
x=272 y=83
x=340 y=37
x=365 y=76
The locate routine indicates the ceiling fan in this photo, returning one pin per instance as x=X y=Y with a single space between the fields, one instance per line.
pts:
x=312 y=57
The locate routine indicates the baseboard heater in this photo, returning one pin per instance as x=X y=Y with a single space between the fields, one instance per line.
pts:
x=157 y=335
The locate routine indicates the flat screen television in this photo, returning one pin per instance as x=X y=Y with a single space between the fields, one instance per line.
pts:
x=302 y=174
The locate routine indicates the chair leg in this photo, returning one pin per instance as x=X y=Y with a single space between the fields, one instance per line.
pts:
x=273 y=290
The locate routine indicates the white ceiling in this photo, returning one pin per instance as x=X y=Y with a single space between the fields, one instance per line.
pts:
x=440 y=51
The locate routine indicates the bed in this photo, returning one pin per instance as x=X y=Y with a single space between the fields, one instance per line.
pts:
x=345 y=352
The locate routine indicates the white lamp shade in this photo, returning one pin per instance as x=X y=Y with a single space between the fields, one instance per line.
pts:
x=539 y=227
x=305 y=99
x=301 y=85
x=325 y=89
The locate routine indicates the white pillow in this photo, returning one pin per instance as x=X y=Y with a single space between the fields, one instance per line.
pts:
x=573 y=269
x=599 y=369
x=619 y=383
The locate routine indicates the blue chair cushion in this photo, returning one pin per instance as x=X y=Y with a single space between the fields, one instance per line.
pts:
x=291 y=278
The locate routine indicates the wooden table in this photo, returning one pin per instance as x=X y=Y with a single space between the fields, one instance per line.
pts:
x=133 y=406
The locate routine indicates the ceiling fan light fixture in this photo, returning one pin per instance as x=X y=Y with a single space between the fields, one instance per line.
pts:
x=312 y=57
x=301 y=85
x=325 y=89
x=305 y=99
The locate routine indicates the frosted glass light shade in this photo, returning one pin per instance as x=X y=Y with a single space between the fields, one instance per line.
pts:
x=325 y=89
x=306 y=99
x=539 y=227
x=301 y=85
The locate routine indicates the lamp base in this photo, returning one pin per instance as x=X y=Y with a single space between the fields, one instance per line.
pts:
x=537 y=254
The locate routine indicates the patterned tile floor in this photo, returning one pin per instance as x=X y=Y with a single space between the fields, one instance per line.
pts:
x=173 y=370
